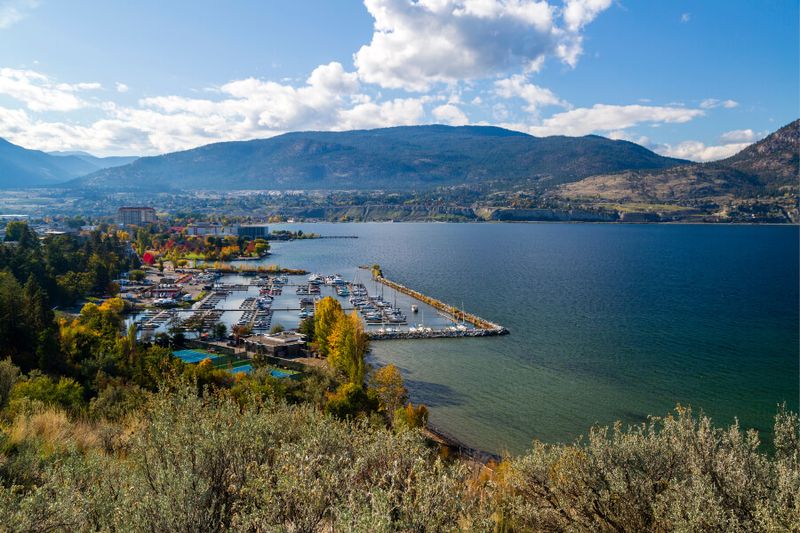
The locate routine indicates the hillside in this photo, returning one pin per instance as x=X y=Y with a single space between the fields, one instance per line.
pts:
x=774 y=159
x=390 y=158
x=20 y=167
x=767 y=167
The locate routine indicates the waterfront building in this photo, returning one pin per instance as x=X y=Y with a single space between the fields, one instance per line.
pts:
x=136 y=216
x=254 y=231
x=204 y=229
x=284 y=344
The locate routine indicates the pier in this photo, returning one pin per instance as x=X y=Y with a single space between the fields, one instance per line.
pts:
x=484 y=328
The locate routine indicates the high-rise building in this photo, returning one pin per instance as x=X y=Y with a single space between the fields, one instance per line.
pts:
x=136 y=216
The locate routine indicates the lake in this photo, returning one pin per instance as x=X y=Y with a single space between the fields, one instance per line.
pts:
x=608 y=321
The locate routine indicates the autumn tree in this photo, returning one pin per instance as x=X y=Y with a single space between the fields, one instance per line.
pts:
x=410 y=417
x=348 y=346
x=328 y=313
x=387 y=382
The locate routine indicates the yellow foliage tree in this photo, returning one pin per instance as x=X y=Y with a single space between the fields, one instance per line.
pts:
x=410 y=417
x=348 y=346
x=326 y=315
x=387 y=382
x=112 y=305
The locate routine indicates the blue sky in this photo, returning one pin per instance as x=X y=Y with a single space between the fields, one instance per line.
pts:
x=692 y=79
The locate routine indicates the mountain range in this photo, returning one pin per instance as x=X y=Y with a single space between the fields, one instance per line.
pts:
x=20 y=167
x=589 y=168
x=397 y=158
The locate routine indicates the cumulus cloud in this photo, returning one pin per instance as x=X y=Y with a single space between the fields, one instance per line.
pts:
x=121 y=87
x=12 y=11
x=450 y=114
x=249 y=108
x=417 y=44
x=39 y=93
x=603 y=118
x=397 y=112
x=535 y=97
x=731 y=142
x=700 y=152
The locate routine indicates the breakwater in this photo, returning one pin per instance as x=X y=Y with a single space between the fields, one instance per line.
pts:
x=484 y=327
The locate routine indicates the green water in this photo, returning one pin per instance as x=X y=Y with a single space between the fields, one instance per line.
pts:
x=607 y=321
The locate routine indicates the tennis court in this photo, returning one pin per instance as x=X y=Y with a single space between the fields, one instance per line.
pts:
x=193 y=356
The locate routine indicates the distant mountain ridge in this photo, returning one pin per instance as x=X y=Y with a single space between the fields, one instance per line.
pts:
x=389 y=158
x=21 y=167
x=99 y=162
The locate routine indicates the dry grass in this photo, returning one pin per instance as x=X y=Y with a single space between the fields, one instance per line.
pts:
x=54 y=432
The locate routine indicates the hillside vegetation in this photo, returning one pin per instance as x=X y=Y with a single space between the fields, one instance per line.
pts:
x=217 y=463
x=768 y=167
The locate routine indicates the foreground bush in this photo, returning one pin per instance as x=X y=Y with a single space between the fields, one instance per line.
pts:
x=677 y=473
x=186 y=463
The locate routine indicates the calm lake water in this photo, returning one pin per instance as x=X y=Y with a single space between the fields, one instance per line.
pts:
x=608 y=322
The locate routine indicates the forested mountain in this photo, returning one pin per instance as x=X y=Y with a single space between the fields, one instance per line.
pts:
x=389 y=158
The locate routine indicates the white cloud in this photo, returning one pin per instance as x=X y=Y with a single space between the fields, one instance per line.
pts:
x=245 y=109
x=602 y=118
x=747 y=135
x=579 y=13
x=40 y=93
x=686 y=17
x=397 y=112
x=12 y=11
x=698 y=151
x=500 y=112
x=121 y=87
x=711 y=103
x=534 y=96
x=450 y=114
x=417 y=44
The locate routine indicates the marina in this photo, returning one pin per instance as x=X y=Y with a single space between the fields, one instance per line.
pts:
x=388 y=309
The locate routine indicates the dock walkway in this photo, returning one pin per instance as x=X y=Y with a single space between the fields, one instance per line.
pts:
x=483 y=327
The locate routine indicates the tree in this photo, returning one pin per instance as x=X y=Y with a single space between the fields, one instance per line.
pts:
x=327 y=314
x=348 y=347
x=66 y=393
x=387 y=382
x=220 y=330
x=410 y=417
x=17 y=231
x=277 y=328
x=306 y=328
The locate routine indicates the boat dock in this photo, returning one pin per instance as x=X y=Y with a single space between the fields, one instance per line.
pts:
x=482 y=327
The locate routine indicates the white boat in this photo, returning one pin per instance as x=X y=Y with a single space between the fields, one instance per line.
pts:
x=414 y=308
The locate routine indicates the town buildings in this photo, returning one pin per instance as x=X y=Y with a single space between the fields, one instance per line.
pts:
x=136 y=216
